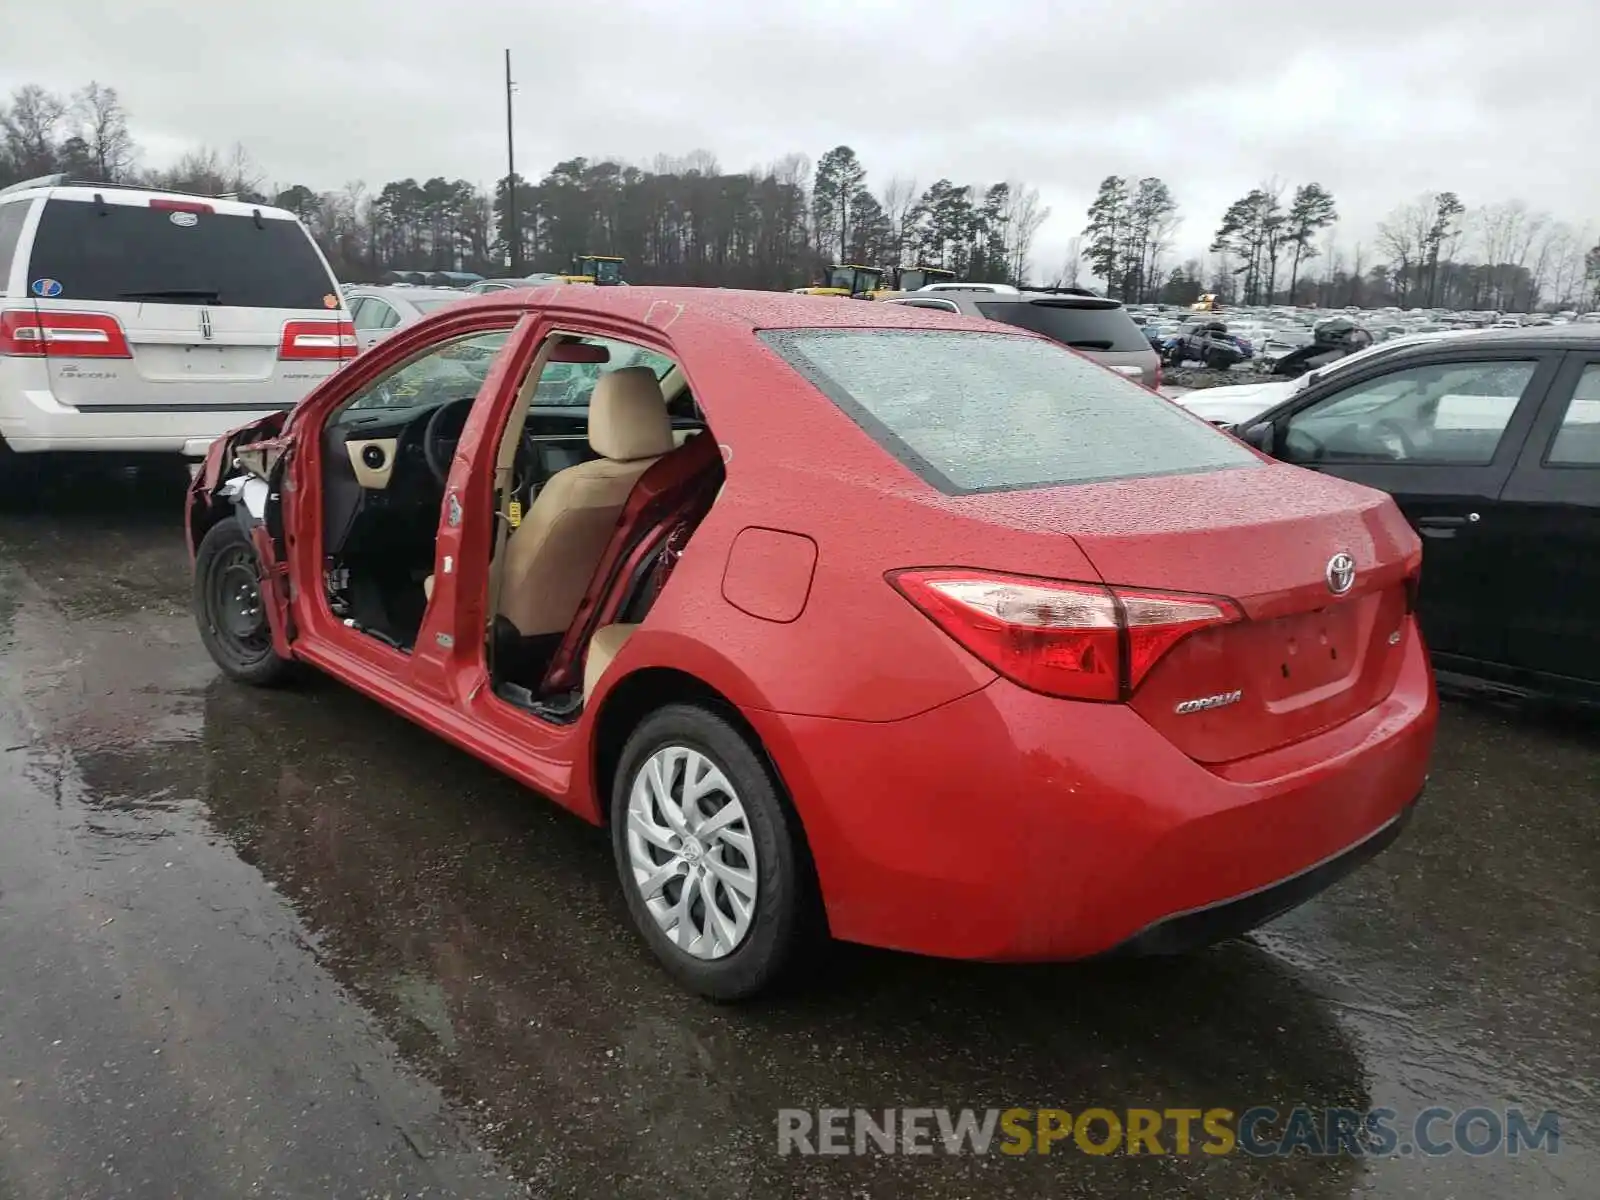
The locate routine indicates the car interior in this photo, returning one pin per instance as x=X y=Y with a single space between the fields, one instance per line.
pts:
x=601 y=422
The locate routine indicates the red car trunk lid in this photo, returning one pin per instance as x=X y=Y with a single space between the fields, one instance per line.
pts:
x=1304 y=657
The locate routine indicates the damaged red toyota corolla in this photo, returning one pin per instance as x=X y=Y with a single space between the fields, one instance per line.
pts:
x=845 y=618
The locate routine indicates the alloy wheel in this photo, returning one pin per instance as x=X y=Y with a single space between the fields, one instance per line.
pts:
x=691 y=853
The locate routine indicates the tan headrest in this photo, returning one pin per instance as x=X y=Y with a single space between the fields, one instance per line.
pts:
x=628 y=416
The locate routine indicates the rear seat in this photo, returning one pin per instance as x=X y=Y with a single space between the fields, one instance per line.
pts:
x=603 y=647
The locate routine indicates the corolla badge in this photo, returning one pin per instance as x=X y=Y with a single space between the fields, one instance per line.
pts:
x=1341 y=573
x=1202 y=703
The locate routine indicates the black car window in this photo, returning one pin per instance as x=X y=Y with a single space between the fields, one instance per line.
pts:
x=1107 y=329
x=158 y=256
x=1453 y=412
x=1577 y=442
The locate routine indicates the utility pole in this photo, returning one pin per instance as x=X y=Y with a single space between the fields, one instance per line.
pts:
x=514 y=250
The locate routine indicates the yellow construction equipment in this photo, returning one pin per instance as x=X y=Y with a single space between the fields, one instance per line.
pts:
x=601 y=269
x=846 y=279
x=911 y=279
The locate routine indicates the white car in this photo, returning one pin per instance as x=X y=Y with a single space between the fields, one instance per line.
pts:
x=141 y=320
x=379 y=311
x=1236 y=405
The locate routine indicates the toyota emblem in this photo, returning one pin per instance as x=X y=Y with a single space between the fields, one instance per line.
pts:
x=1341 y=574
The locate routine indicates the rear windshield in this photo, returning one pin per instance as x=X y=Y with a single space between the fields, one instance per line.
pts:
x=980 y=412
x=434 y=305
x=134 y=253
x=1105 y=329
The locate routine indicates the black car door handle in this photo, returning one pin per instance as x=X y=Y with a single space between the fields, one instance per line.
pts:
x=1440 y=526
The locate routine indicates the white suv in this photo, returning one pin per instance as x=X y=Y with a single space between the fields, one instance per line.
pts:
x=140 y=320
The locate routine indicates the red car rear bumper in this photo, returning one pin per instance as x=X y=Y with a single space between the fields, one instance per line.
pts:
x=1008 y=825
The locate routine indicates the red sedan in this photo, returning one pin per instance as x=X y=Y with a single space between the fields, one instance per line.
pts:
x=845 y=618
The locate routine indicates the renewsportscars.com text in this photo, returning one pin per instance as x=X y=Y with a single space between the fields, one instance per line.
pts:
x=1262 y=1131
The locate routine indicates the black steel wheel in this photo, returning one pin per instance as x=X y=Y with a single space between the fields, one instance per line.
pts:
x=229 y=607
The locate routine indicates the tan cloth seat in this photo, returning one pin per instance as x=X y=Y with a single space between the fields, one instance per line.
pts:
x=551 y=556
x=603 y=648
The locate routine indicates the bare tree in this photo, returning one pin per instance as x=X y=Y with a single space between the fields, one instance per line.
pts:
x=206 y=171
x=1403 y=241
x=899 y=198
x=31 y=127
x=1072 y=267
x=1022 y=220
x=1566 y=273
x=103 y=125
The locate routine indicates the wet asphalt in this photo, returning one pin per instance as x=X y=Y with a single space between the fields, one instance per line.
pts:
x=282 y=944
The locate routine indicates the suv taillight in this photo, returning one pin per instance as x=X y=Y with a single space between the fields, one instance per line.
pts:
x=317 y=340
x=28 y=334
x=1083 y=641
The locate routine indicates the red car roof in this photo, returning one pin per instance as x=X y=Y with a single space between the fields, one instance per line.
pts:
x=744 y=309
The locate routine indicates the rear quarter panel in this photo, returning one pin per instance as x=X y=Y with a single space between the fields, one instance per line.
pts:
x=795 y=463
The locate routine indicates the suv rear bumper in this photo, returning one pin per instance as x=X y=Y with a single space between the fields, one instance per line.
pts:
x=31 y=421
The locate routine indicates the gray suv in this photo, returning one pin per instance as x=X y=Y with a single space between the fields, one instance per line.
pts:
x=1097 y=328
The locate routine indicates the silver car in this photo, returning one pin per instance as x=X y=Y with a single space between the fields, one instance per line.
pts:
x=379 y=311
x=484 y=286
x=1097 y=328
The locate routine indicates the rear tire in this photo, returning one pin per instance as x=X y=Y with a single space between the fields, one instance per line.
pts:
x=716 y=876
x=229 y=609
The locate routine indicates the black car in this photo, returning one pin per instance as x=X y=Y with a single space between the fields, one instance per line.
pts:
x=1490 y=443
x=1209 y=343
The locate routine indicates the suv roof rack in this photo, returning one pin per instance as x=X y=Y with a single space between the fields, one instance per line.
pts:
x=38 y=181
x=61 y=179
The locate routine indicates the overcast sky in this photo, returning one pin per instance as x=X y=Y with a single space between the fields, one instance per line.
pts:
x=1376 y=100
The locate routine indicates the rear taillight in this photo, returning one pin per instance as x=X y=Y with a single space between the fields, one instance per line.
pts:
x=190 y=206
x=1157 y=385
x=1085 y=641
x=25 y=334
x=317 y=340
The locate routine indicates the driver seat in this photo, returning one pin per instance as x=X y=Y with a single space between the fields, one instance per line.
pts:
x=552 y=555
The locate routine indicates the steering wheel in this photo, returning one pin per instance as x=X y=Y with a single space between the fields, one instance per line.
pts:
x=1389 y=426
x=437 y=446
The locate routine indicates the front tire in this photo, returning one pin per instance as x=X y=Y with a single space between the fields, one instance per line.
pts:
x=229 y=607
x=711 y=858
